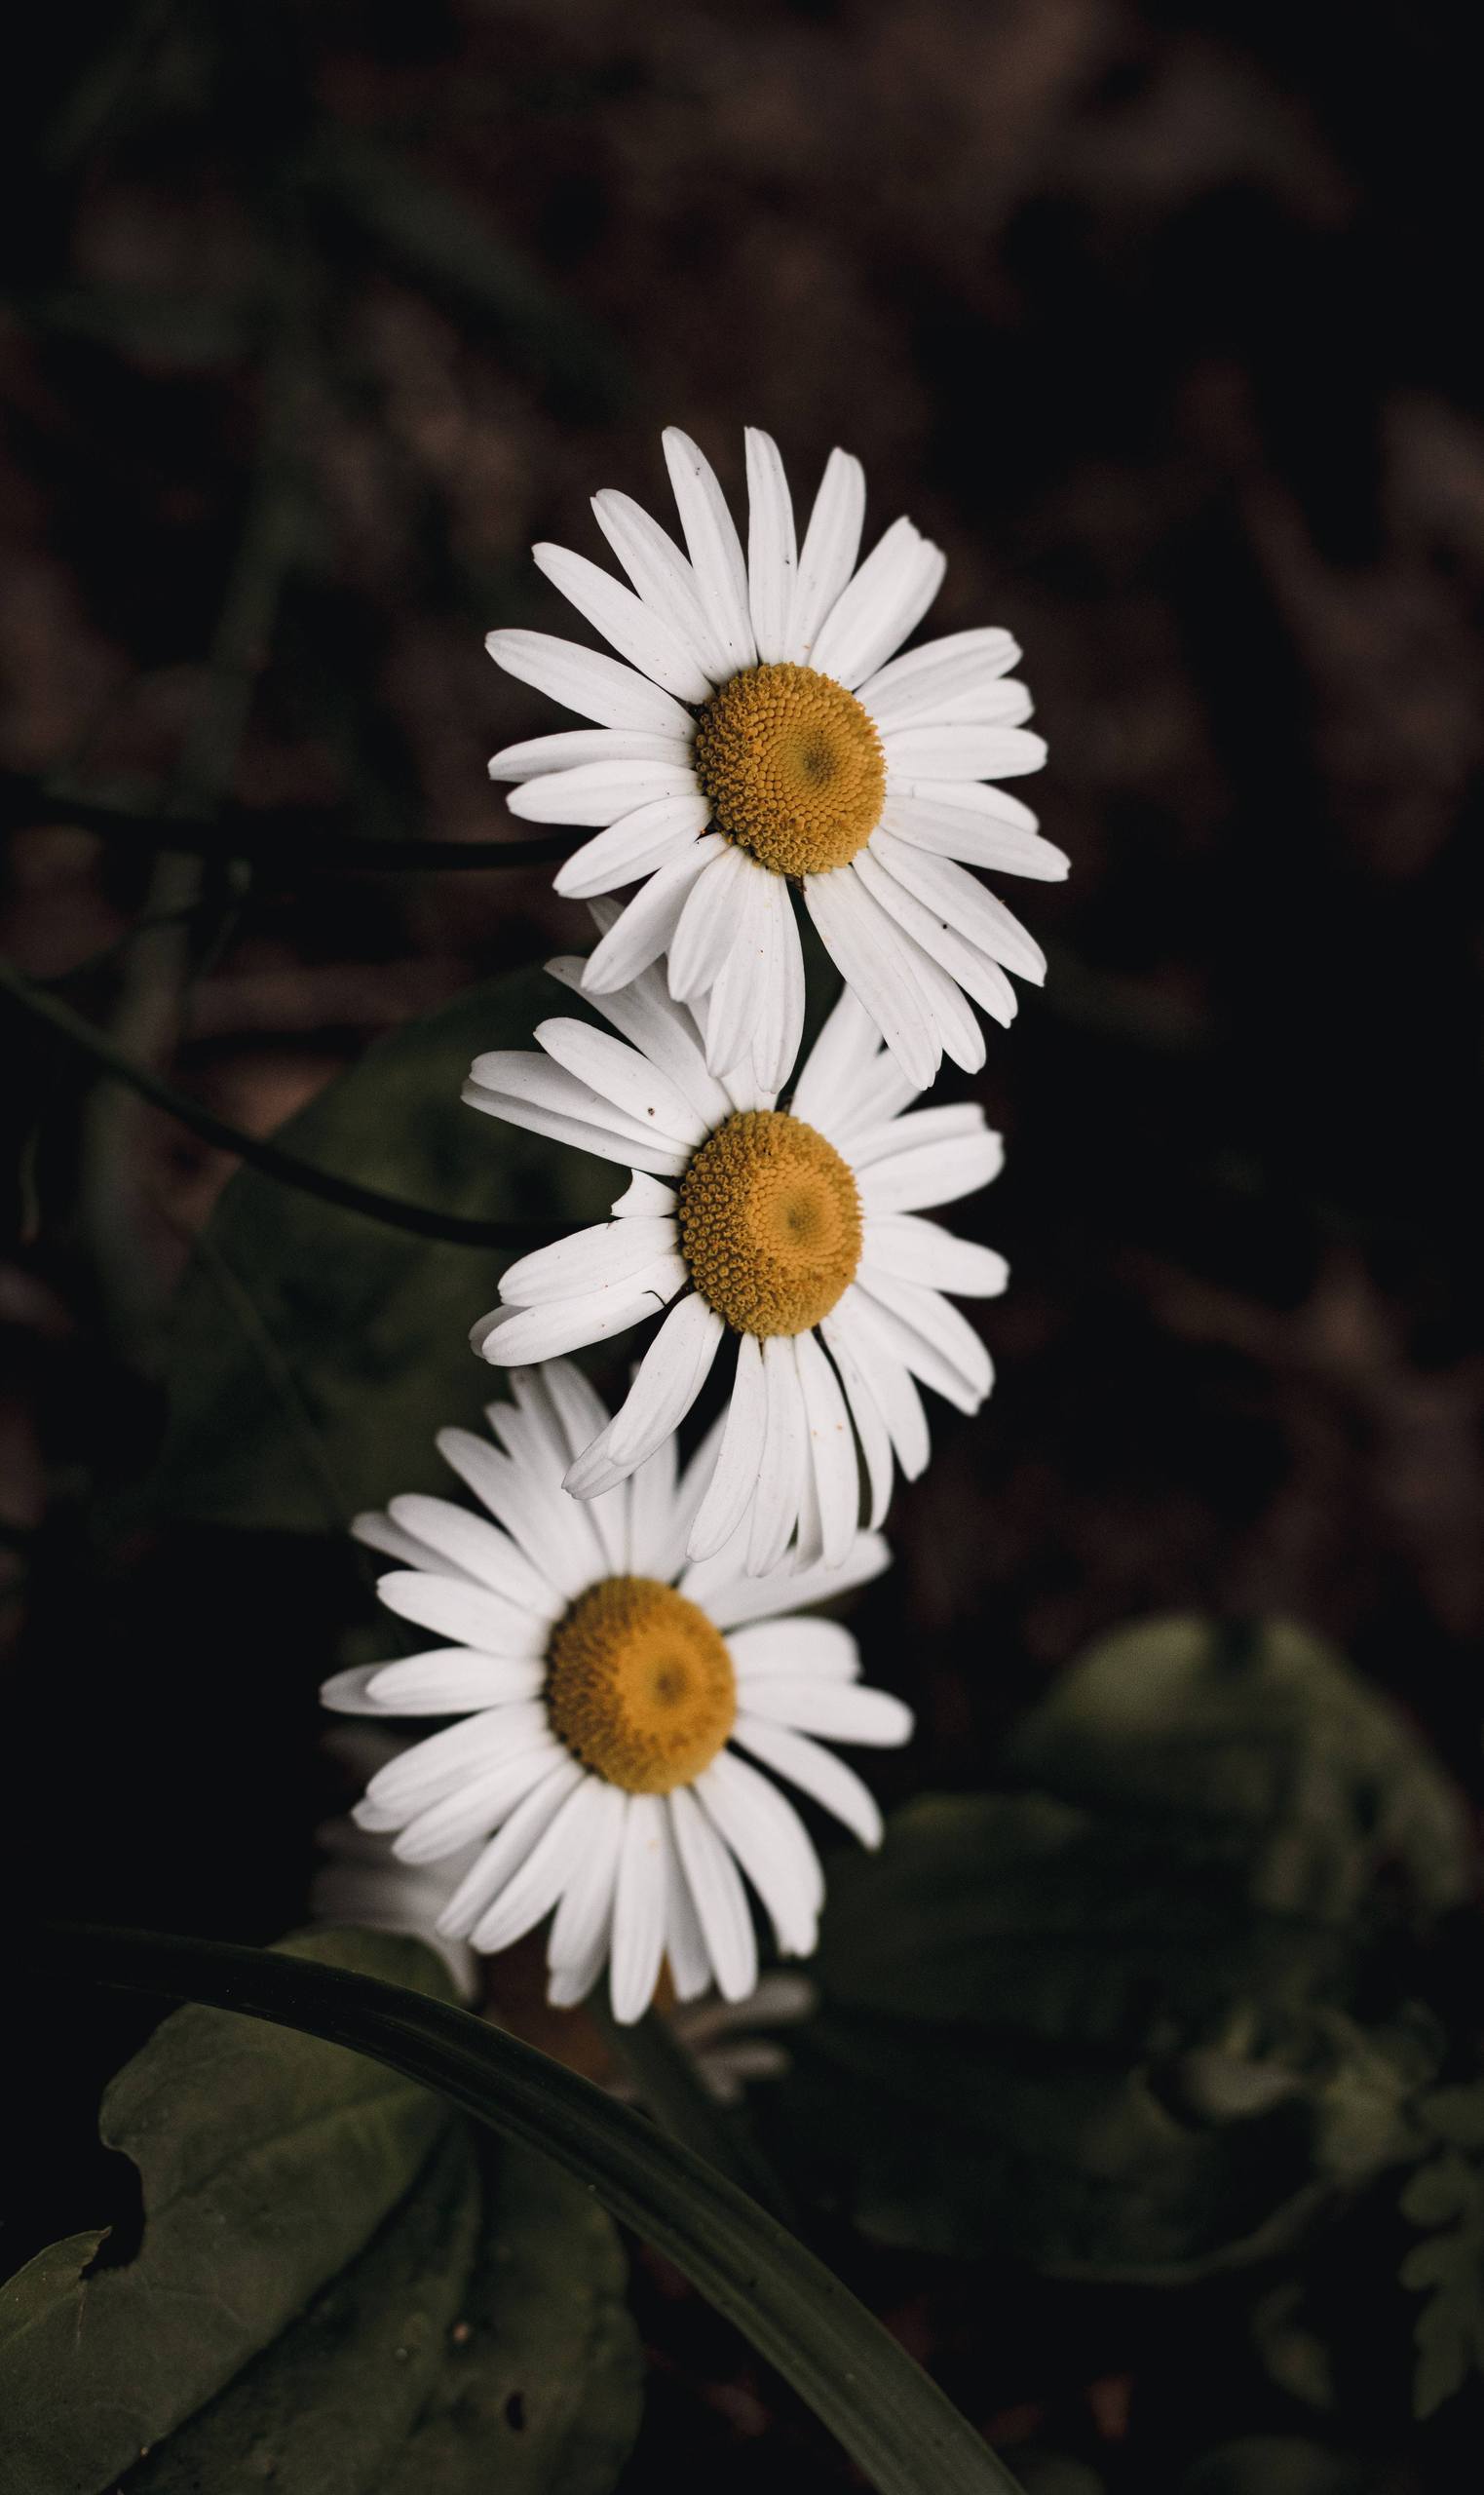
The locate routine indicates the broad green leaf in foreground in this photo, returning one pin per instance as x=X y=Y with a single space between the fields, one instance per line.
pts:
x=1110 y=2024
x=328 y=2279
x=312 y=1352
x=906 y=2437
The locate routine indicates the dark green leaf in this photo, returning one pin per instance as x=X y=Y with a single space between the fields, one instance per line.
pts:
x=1275 y=2465
x=1108 y=2025
x=312 y=1352
x=905 y=2435
x=266 y=2160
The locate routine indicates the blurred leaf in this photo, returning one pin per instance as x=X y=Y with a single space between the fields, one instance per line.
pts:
x=1262 y=1738
x=1275 y=2465
x=1292 y=2351
x=1108 y=2028
x=313 y=1352
x=317 y=2299
x=1446 y=2193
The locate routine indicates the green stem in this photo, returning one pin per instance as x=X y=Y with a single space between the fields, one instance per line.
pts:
x=275 y=1162
x=665 y=2079
x=305 y=842
x=895 y=2424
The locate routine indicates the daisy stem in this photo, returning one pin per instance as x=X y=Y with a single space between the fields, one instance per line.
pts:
x=303 y=841
x=906 y=2435
x=270 y=1158
x=668 y=2082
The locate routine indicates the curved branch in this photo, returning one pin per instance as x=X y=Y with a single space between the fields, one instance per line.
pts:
x=270 y=1158
x=309 y=841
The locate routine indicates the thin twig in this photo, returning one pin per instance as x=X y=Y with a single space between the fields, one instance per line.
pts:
x=308 y=841
x=421 y=1219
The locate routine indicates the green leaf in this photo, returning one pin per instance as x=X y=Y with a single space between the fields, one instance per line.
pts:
x=1275 y=2465
x=312 y=1352
x=895 y=2423
x=1263 y=1737
x=1447 y=2195
x=265 y=2159
x=333 y=2291
x=1107 y=2026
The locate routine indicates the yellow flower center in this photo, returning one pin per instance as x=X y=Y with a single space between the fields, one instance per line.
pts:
x=639 y=1684
x=792 y=768
x=770 y=1223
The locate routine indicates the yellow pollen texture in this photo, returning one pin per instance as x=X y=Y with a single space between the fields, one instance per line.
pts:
x=792 y=768
x=639 y=1684
x=770 y=1223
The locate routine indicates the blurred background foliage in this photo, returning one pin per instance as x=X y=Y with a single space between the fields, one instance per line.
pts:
x=1144 y=2094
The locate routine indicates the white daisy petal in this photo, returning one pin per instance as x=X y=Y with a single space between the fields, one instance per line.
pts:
x=741 y=1460
x=654 y=1548
x=647 y=1015
x=860 y=942
x=637 y=631
x=868 y=1413
x=468 y=1615
x=533 y=1890
x=842 y=1711
x=528 y=1334
x=936 y=1343
x=959 y=1035
x=831 y=1450
x=707 y=924
x=635 y=845
x=662 y=576
x=670 y=1376
x=649 y=921
x=966 y=753
x=452 y=1680
x=428 y=1770
x=785 y=1454
x=584 y=681
x=770 y=1842
x=977 y=841
x=690 y=1960
x=816 y=1771
x=943 y=1123
x=639 y=1908
x=480 y=1804
x=795 y=1647
x=747 y=1598
x=715 y=550
x=826 y=1087
x=603 y=1258
x=890 y=592
x=832 y=544
x=572 y=747
x=718 y=1894
x=952 y=893
x=922 y=680
x=603 y=793
x=625 y=1076
x=909 y=914
x=741 y=925
x=563 y=1126
x=937 y=1173
x=643 y=1198
x=902 y=1246
x=524 y=1827
x=478 y=1548
x=379 y=1533
x=772 y=553
x=582 y=1922
x=553 y=1536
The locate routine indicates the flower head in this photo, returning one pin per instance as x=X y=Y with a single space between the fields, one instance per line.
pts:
x=609 y=1702
x=790 y=1236
x=755 y=734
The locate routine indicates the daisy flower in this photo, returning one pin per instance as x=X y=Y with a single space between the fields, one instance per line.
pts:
x=755 y=733
x=792 y=1236
x=610 y=1702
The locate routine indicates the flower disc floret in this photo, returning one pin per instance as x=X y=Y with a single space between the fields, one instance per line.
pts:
x=770 y=1223
x=639 y=1685
x=792 y=767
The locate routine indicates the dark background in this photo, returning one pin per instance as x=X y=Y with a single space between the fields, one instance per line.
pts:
x=1161 y=320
